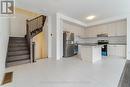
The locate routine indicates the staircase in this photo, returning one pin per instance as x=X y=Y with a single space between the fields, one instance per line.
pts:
x=21 y=49
x=18 y=52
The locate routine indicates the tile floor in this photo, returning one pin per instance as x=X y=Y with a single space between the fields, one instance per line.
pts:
x=125 y=78
x=68 y=72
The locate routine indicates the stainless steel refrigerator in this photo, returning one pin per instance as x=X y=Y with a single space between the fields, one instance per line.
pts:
x=68 y=44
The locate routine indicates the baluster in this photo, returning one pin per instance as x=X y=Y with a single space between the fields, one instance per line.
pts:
x=31 y=27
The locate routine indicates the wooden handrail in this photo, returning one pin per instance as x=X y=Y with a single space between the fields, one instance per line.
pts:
x=36 y=23
x=36 y=18
x=33 y=27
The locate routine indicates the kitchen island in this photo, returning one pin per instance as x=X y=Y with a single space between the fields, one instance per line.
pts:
x=90 y=53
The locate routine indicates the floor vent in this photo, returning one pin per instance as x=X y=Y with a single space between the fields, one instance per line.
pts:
x=8 y=77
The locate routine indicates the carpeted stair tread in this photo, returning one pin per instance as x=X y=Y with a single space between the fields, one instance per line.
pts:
x=17 y=58
x=17 y=62
x=18 y=51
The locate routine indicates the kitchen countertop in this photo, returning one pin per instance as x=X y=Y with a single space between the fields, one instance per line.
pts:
x=96 y=44
x=117 y=44
x=88 y=44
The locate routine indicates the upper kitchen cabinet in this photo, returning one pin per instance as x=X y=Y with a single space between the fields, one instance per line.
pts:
x=111 y=28
x=102 y=29
x=117 y=28
x=73 y=28
x=121 y=28
x=91 y=32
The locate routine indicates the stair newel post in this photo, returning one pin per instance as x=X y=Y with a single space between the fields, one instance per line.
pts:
x=27 y=32
x=33 y=52
x=31 y=57
x=28 y=38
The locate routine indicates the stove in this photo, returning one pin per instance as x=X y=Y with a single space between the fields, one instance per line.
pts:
x=100 y=42
x=104 y=47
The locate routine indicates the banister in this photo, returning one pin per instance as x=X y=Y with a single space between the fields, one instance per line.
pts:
x=33 y=27
x=36 y=18
x=33 y=51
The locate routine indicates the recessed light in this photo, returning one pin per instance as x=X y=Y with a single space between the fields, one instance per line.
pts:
x=90 y=17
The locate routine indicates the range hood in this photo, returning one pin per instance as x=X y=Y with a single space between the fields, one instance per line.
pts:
x=102 y=35
x=103 y=41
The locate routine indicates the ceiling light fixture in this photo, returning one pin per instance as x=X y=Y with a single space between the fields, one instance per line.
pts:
x=90 y=17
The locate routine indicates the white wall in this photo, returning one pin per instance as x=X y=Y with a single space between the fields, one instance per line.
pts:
x=59 y=36
x=4 y=37
x=18 y=25
x=53 y=37
x=18 y=22
x=45 y=38
x=49 y=37
x=41 y=42
x=128 y=37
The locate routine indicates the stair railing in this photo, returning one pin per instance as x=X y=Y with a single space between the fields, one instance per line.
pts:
x=33 y=27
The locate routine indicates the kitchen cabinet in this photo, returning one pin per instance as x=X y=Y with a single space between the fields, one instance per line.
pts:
x=91 y=33
x=111 y=50
x=117 y=50
x=122 y=29
x=118 y=28
x=90 y=53
x=121 y=50
x=111 y=29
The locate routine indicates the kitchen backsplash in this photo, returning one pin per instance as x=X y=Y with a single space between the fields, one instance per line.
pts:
x=112 y=39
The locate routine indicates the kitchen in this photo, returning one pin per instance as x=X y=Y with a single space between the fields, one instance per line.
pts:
x=110 y=38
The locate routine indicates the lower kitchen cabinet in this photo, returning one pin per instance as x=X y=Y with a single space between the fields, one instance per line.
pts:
x=111 y=50
x=117 y=50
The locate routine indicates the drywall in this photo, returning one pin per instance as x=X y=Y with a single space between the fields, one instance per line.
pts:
x=128 y=37
x=28 y=13
x=40 y=46
x=53 y=32
x=18 y=25
x=4 y=37
x=46 y=39
x=41 y=43
x=49 y=37
x=18 y=22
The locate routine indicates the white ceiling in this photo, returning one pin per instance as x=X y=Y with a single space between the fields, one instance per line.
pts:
x=79 y=9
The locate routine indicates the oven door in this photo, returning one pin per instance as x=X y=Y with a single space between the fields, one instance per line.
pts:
x=104 y=50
